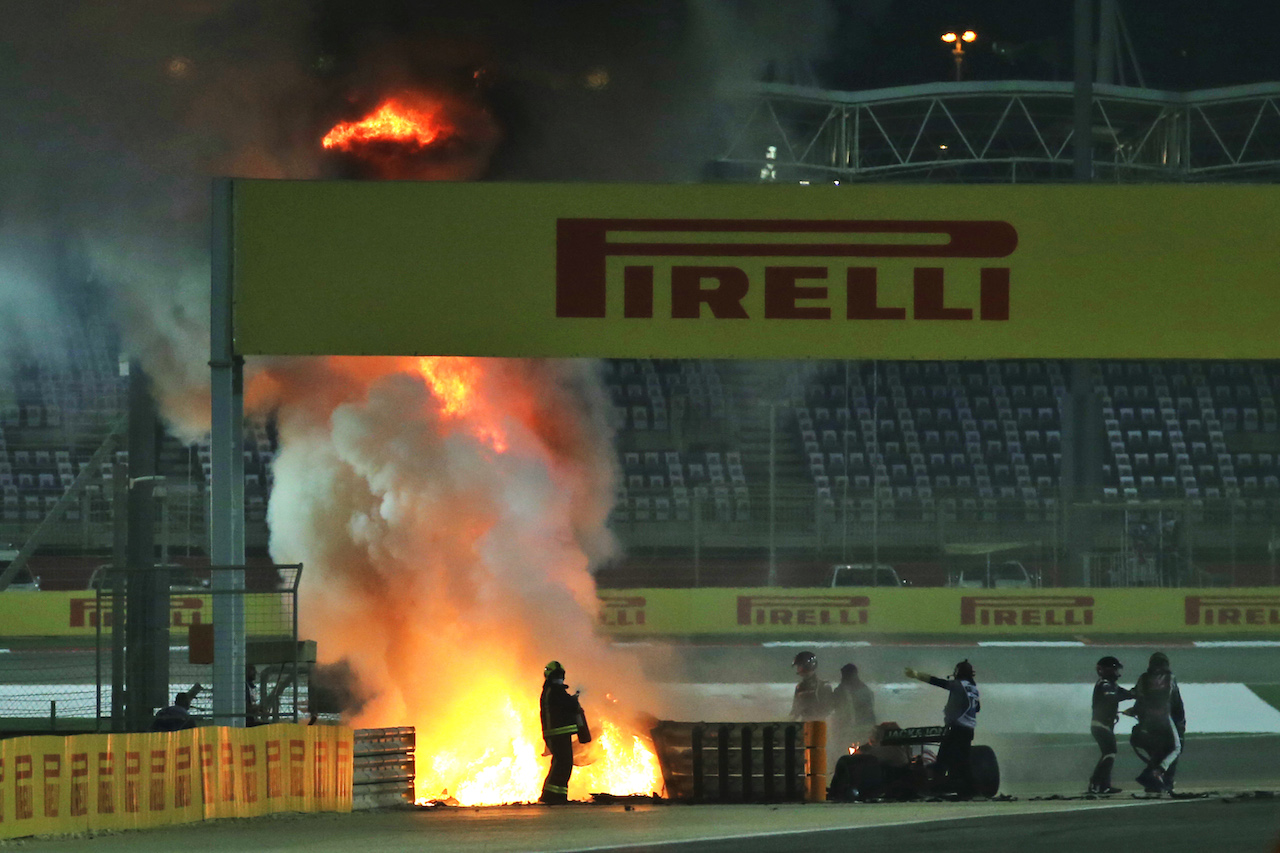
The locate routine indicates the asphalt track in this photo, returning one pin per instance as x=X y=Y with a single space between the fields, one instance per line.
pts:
x=1231 y=825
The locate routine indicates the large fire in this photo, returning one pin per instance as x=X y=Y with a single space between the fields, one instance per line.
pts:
x=447 y=510
x=415 y=123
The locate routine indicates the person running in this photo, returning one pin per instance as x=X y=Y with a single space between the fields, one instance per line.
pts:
x=960 y=717
x=1107 y=696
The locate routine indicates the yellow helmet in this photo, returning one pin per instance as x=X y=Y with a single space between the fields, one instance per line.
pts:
x=552 y=667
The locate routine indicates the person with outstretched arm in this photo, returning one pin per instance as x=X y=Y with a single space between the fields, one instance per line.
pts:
x=960 y=717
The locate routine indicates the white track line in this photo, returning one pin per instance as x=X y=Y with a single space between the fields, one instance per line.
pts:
x=1032 y=644
x=1237 y=644
x=817 y=644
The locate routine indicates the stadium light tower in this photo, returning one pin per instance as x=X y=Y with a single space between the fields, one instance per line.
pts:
x=957 y=52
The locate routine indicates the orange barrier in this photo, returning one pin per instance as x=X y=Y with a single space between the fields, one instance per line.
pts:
x=58 y=785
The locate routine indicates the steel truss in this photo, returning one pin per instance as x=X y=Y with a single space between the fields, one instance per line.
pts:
x=1003 y=131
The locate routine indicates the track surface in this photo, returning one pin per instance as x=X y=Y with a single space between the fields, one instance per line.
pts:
x=1189 y=826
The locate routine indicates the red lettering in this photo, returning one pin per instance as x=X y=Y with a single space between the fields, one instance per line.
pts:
x=1229 y=616
x=1006 y=617
x=781 y=293
x=930 y=297
x=248 y=762
x=158 y=761
x=806 y=617
x=779 y=617
x=993 y=298
x=24 y=798
x=207 y=775
x=106 y=790
x=79 y=783
x=182 y=777
x=861 y=297
x=1031 y=617
x=637 y=292
x=1254 y=617
x=297 y=768
x=273 y=769
x=227 y=778
x=321 y=770
x=52 y=786
x=724 y=300
x=132 y=770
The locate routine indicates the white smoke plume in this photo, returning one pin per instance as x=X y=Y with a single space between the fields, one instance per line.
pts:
x=448 y=541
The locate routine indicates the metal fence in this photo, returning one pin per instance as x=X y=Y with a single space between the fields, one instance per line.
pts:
x=79 y=683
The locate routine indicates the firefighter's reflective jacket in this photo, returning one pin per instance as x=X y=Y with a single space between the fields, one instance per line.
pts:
x=559 y=709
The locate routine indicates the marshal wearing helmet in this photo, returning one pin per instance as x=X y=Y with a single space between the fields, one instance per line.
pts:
x=562 y=718
x=1107 y=696
x=813 y=698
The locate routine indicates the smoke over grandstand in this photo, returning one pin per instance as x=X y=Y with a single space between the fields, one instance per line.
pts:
x=444 y=567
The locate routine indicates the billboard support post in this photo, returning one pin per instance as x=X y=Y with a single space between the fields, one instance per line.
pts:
x=226 y=516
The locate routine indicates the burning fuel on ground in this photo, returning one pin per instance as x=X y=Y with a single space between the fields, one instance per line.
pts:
x=448 y=511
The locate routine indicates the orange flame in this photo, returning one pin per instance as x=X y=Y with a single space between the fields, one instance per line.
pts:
x=453 y=381
x=395 y=120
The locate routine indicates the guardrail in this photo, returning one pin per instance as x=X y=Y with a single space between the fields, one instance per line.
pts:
x=383 y=769
x=764 y=762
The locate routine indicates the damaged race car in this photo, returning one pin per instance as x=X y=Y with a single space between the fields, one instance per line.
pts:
x=898 y=763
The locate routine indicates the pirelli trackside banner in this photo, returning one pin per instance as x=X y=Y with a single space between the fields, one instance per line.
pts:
x=978 y=612
x=755 y=271
x=77 y=614
x=60 y=785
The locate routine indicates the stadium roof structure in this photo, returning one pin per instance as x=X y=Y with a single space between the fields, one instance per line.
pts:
x=1003 y=131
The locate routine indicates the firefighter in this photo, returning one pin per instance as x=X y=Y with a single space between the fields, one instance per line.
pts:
x=1107 y=696
x=812 y=700
x=1161 y=724
x=562 y=718
x=960 y=717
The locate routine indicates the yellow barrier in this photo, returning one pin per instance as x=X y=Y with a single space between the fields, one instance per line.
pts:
x=76 y=614
x=850 y=612
x=58 y=785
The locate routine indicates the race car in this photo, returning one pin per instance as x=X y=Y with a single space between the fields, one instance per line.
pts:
x=898 y=763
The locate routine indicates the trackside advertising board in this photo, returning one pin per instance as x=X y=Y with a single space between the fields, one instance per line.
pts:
x=60 y=785
x=755 y=271
x=842 y=612
x=853 y=612
x=77 y=614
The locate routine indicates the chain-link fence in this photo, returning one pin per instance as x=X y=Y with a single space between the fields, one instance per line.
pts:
x=84 y=682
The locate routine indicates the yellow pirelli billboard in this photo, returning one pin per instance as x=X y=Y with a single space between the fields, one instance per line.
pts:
x=752 y=271
x=78 y=614
x=853 y=613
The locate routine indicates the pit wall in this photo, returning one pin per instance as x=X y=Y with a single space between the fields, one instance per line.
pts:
x=60 y=785
x=981 y=613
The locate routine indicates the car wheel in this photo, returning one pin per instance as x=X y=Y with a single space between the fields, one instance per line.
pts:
x=986 y=771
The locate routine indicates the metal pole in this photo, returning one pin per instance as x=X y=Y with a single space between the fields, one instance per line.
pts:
x=773 y=494
x=226 y=516
x=875 y=470
x=1108 y=46
x=697 y=541
x=1082 y=135
x=844 y=497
